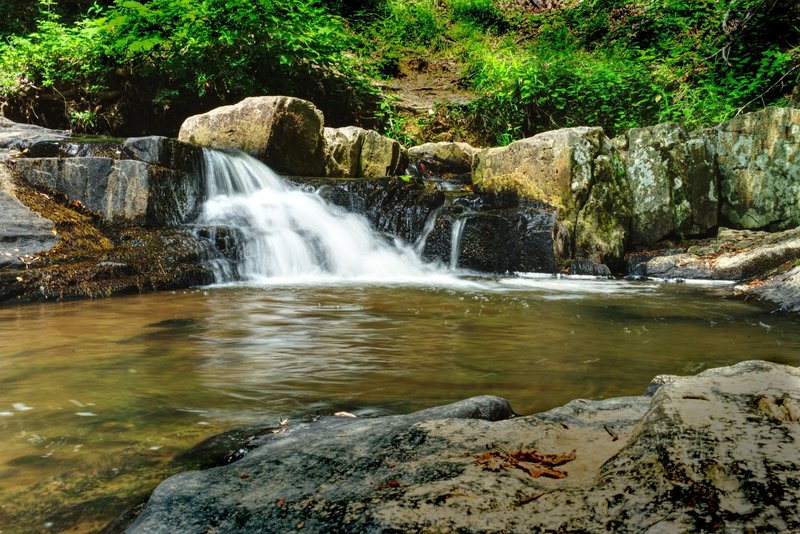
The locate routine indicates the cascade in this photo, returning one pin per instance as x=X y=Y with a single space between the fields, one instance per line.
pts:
x=457 y=232
x=283 y=233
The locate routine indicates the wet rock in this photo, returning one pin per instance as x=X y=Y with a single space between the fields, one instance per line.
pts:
x=129 y=189
x=284 y=132
x=518 y=239
x=23 y=233
x=715 y=452
x=394 y=206
x=759 y=164
x=782 y=290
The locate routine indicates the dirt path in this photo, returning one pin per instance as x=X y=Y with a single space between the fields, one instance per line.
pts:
x=422 y=84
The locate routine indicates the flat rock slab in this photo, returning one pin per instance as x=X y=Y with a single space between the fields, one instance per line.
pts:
x=715 y=452
x=15 y=137
x=23 y=233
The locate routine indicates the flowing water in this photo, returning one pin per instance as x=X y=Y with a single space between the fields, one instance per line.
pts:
x=98 y=397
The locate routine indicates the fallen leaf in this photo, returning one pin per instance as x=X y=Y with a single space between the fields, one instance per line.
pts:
x=540 y=470
x=244 y=475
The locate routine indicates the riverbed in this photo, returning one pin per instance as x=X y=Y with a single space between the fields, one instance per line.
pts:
x=98 y=397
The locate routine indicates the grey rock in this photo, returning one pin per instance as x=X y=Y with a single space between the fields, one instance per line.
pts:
x=759 y=165
x=782 y=290
x=284 y=132
x=130 y=189
x=673 y=183
x=343 y=151
x=381 y=156
x=714 y=452
x=23 y=233
x=165 y=152
x=733 y=255
x=15 y=137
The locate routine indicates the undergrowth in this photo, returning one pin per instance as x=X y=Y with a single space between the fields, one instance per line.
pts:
x=613 y=63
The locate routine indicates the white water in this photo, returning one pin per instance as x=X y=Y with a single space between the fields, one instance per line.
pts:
x=288 y=235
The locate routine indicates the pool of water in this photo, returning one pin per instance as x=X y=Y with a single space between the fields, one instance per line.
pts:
x=97 y=397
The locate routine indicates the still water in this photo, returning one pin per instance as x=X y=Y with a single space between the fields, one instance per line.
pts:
x=97 y=397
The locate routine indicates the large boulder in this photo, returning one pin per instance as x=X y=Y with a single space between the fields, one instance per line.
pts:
x=353 y=152
x=555 y=166
x=711 y=453
x=673 y=183
x=284 y=132
x=759 y=162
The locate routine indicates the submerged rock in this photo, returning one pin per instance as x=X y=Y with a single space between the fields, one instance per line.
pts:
x=715 y=452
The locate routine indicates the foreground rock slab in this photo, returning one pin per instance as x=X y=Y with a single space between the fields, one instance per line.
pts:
x=715 y=452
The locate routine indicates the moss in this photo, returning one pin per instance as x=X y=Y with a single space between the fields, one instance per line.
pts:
x=522 y=186
x=95 y=258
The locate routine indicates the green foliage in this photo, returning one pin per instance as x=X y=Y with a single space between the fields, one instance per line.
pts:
x=484 y=14
x=392 y=124
x=413 y=22
x=620 y=64
x=176 y=51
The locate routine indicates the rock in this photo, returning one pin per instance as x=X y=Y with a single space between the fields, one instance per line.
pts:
x=445 y=159
x=353 y=152
x=526 y=238
x=343 y=151
x=284 y=132
x=381 y=156
x=555 y=164
x=759 y=164
x=165 y=152
x=130 y=189
x=23 y=233
x=715 y=452
x=673 y=182
x=604 y=222
x=782 y=290
x=393 y=206
x=732 y=255
x=15 y=137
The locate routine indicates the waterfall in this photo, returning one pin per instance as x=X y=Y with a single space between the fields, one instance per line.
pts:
x=280 y=233
x=457 y=231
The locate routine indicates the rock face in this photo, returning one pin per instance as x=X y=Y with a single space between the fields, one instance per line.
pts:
x=715 y=452
x=284 y=132
x=673 y=183
x=759 y=162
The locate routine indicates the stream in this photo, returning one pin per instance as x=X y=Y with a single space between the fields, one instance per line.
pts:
x=98 y=397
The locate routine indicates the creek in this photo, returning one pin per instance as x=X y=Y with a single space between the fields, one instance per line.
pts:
x=98 y=398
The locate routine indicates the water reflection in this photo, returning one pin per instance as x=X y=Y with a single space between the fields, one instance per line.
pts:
x=98 y=396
